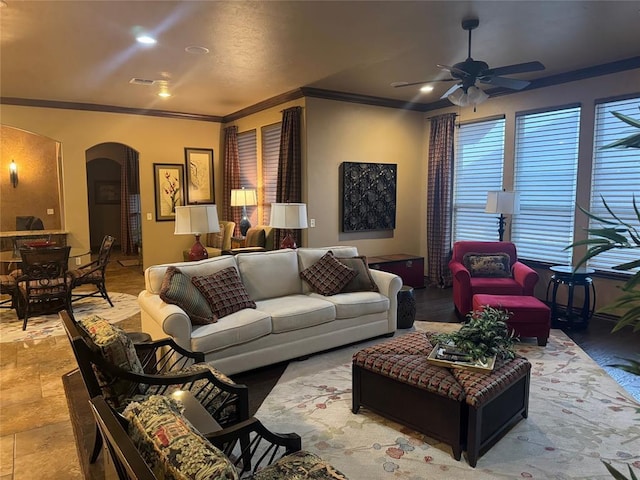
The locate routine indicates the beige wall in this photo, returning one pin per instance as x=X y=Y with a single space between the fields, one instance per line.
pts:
x=158 y=140
x=348 y=132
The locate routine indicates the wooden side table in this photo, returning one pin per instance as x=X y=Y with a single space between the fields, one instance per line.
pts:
x=238 y=242
x=408 y=267
x=565 y=275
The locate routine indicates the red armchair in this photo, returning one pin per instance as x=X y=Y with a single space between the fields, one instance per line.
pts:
x=521 y=279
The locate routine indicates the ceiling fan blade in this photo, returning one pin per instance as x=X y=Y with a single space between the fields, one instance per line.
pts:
x=511 y=69
x=451 y=90
x=405 y=84
x=453 y=69
x=512 y=83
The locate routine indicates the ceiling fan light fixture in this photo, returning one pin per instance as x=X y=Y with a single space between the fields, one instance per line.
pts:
x=459 y=98
x=472 y=96
x=476 y=95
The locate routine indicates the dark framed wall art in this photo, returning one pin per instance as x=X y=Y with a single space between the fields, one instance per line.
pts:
x=199 y=170
x=368 y=196
x=168 y=180
x=107 y=192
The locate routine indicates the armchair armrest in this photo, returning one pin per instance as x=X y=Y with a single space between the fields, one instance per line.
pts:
x=252 y=446
x=460 y=273
x=526 y=276
x=165 y=355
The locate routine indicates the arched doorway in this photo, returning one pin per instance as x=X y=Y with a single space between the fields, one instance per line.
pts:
x=113 y=187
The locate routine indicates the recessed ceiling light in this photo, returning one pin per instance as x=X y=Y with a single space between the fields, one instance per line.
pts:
x=426 y=89
x=196 y=50
x=164 y=94
x=146 y=39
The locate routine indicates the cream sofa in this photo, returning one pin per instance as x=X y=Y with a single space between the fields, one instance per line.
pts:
x=290 y=320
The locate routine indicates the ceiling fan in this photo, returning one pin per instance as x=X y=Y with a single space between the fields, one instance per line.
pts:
x=471 y=71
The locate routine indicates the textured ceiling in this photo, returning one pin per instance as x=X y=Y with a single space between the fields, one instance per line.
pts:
x=84 y=51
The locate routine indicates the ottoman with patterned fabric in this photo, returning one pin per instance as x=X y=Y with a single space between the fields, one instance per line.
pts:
x=496 y=401
x=394 y=380
x=464 y=409
x=531 y=317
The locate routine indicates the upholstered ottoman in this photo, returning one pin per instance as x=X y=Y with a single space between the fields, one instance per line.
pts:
x=531 y=317
x=394 y=379
x=495 y=402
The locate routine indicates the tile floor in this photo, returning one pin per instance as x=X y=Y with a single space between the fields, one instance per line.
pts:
x=36 y=436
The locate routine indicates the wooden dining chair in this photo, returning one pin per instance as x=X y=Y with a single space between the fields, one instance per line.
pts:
x=43 y=285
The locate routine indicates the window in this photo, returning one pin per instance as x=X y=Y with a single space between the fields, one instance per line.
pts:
x=615 y=174
x=479 y=158
x=546 y=166
x=270 y=154
x=248 y=159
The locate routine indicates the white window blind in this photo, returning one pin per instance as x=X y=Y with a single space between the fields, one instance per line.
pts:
x=546 y=166
x=479 y=158
x=615 y=175
x=248 y=159
x=270 y=154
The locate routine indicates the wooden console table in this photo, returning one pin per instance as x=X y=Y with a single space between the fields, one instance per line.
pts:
x=408 y=267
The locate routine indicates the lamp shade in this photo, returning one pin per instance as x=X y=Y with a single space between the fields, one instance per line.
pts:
x=241 y=197
x=196 y=219
x=502 y=202
x=288 y=215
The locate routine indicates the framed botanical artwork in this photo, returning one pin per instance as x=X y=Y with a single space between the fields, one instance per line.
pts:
x=168 y=181
x=199 y=167
x=107 y=192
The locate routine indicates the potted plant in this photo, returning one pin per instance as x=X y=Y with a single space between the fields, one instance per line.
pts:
x=619 y=234
x=484 y=335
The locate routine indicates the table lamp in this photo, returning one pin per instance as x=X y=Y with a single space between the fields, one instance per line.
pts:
x=502 y=202
x=242 y=197
x=288 y=216
x=196 y=220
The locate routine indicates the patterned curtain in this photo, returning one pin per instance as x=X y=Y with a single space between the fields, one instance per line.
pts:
x=130 y=234
x=289 y=187
x=439 y=198
x=231 y=174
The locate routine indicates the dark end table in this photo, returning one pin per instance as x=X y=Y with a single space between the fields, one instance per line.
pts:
x=567 y=276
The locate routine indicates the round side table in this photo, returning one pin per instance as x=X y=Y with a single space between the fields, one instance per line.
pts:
x=406 y=307
x=569 y=317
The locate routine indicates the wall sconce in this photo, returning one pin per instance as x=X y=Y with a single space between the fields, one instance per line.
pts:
x=13 y=174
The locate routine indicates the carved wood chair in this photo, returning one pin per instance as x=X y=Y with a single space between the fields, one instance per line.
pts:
x=159 y=367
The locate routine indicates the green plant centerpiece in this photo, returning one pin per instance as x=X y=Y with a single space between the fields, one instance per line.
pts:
x=484 y=335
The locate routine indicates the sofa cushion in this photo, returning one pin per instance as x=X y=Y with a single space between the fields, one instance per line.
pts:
x=487 y=265
x=117 y=348
x=171 y=445
x=300 y=465
x=154 y=275
x=269 y=274
x=328 y=276
x=177 y=289
x=357 y=304
x=240 y=327
x=224 y=291
x=294 y=312
x=363 y=281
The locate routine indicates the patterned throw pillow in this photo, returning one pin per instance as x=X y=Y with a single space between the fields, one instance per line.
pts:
x=224 y=291
x=363 y=281
x=487 y=265
x=177 y=289
x=172 y=447
x=328 y=276
x=117 y=348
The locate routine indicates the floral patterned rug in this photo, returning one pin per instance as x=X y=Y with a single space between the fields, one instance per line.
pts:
x=42 y=326
x=578 y=416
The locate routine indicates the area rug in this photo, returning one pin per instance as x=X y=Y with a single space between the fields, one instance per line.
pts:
x=43 y=326
x=578 y=416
